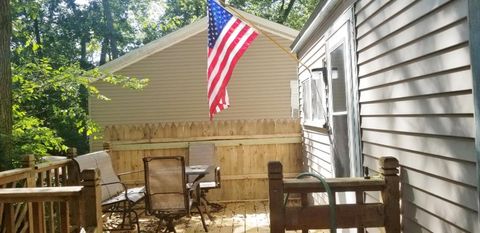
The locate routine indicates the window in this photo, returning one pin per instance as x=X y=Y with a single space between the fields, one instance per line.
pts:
x=318 y=94
x=306 y=100
x=294 y=100
x=313 y=100
x=339 y=100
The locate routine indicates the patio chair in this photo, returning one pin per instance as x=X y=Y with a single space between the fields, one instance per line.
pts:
x=204 y=154
x=167 y=195
x=116 y=197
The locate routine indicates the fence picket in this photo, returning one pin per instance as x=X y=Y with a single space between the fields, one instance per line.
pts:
x=243 y=148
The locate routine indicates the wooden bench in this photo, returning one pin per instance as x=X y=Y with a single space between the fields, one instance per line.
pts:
x=116 y=197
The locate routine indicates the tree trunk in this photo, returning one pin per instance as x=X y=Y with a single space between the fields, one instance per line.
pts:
x=104 y=51
x=111 y=34
x=38 y=38
x=287 y=11
x=83 y=52
x=6 y=120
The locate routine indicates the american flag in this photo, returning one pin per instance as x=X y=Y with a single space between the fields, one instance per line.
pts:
x=228 y=38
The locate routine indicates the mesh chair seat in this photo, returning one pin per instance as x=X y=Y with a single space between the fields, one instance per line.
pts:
x=204 y=154
x=167 y=195
x=134 y=195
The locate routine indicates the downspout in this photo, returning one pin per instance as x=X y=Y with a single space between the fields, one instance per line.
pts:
x=474 y=43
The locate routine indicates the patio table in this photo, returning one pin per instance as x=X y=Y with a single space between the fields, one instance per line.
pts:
x=200 y=171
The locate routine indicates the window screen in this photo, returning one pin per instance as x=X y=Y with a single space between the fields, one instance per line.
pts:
x=306 y=101
x=338 y=79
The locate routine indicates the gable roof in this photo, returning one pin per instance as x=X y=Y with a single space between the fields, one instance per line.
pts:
x=188 y=32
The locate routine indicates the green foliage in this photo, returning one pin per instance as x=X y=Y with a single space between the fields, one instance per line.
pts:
x=56 y=44
x=48 y=111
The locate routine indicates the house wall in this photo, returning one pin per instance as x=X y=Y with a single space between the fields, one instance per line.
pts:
x=259 y=88
x=415 y=88
x=316 y=144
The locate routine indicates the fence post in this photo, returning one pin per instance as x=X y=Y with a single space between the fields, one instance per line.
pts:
x=391 y=193
x=275 y=187
x=92 y=195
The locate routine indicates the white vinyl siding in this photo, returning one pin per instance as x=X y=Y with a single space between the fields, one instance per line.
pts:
x=316 y=144
x=416 y=103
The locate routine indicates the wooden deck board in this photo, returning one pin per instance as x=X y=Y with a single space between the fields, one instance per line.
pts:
x=250 y=217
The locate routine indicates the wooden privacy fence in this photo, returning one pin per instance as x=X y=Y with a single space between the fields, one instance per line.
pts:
x=49 y=197
x=242 y=150
x=359 y=215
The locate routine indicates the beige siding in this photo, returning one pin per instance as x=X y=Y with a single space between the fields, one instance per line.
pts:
x=259 y=88
x=415 y=88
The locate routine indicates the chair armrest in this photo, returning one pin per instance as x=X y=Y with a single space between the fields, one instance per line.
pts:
x=112 y=183
x=130 y=172
x=217 y=177
x=125 y=188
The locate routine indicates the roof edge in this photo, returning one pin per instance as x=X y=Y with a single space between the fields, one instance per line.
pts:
x=154 y=46
x=318 y=16
x=188 y=32
x=270 y=26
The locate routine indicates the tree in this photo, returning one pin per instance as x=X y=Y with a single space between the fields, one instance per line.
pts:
x=110 y=39
x=292 y=13
x=6 y=120
x=48 y=99
x=55 y=45
x=284 y=12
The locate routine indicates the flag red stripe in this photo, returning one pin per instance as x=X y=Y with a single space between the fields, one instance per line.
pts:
x=222 y=46
x=231 y=67
x=221 y=89
x=230 y=70
x=230 y=49
x=228 y=39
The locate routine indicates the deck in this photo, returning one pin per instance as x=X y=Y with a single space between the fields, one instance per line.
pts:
x=249 y=216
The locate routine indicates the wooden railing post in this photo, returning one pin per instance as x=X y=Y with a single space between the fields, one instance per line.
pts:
x=92 y=195
x=107 y=146
x=73 y=176
x=391 y=193
x=277 y=209
x=36 y=212
x=9 y=221
x=29 y=162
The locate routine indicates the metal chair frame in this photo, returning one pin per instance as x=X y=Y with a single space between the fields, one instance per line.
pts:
x=191 y=196
x=204 y=154
x=123 y=200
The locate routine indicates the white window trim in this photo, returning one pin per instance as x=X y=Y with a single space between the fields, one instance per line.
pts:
x=308 y=120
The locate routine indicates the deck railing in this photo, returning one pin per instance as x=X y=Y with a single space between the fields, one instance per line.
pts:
x=49 y=197
x=360 y=215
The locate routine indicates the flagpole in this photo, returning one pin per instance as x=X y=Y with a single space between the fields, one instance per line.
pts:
x=286 y=51
x=294 y=57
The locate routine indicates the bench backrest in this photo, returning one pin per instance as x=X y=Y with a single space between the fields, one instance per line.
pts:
x=109 y=180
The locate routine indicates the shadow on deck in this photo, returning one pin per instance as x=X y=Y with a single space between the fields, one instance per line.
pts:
x=235 y=217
